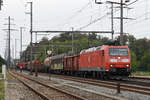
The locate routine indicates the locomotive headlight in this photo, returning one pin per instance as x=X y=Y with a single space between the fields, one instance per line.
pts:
x=127 y=65
x=113 y=60
x=125 y=60
x=111 y=65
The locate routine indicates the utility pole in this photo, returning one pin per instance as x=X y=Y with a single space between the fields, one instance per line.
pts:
x=21 y=29
x=9 y=30
x=112 y=20
x=35 y=37
x=121 y=18
x=15 y=52
x=9 y=42
x=121 y=3
x=121 y=22
x=20 y=42
x=72 y=41
x=15 y=48
x=31 y=22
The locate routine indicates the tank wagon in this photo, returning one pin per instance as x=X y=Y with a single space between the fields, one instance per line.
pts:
x=55 y=63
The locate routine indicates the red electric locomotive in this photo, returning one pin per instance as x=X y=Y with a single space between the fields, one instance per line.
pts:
x=106 y=61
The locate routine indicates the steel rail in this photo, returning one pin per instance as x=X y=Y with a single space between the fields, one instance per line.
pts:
x=112 y=85
x=144 y=78
x=57 y=89
x=32 y=89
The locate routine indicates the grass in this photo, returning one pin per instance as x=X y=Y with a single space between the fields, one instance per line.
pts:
x=141 y=74
x=2 y=86
x=2 y=90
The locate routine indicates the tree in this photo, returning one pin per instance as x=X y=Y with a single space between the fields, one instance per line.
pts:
x=134 y=62
x=145 y=61
x=140 y=46
x=93 y=36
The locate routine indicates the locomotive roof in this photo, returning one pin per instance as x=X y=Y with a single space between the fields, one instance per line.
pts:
x=99 y=47
x=91 y=49
x=70 y=56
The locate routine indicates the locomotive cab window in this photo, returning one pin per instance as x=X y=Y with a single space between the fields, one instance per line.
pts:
x=118 y=51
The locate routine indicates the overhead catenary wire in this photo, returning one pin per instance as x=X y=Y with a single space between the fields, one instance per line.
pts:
x=76 y=13
x=85 y=18
x=132 y=2
x=96 y=20
x=89 y=15
x=139 y=19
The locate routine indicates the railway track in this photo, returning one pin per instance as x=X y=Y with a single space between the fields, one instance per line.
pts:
x=46 y=92
x=132 y=80
x=128 y=85
x=143 y=78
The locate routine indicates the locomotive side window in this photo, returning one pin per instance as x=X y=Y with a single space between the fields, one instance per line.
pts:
x=102 y=52
x=118 y=51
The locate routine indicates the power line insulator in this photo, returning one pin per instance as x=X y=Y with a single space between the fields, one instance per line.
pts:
x=98 y=2
x=127 y=1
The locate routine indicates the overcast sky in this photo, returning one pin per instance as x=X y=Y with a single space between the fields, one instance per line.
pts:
x=65 y=14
